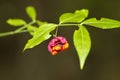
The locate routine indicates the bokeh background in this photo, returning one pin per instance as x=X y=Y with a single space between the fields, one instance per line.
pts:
x=103 y=62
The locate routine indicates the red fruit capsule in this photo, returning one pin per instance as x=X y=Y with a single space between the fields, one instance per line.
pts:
x=57 y=44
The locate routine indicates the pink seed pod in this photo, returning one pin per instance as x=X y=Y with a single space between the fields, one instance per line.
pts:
x=57 y=44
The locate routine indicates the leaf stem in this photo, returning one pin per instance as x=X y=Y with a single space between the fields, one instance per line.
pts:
x=56 y=32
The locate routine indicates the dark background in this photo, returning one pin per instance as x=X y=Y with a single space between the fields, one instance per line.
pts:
x=103 y=62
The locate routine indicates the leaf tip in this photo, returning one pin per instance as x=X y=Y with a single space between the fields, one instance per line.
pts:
x=82 y=65
x=8 y=21
x=24 y=50
x=31 y=12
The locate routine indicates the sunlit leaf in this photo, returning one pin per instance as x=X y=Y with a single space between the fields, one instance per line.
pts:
x=40 y=35
x=16 y=22
x=31 y=12
x=40 y=22
x=82 y=44
x=76 y=17
x=32 y=29
x=103 y=23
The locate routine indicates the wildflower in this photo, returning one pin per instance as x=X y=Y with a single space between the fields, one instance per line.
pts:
x=57 y=44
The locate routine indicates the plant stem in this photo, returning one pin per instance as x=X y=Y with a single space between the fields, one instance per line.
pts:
x=65 y=24
x=23 y=27
x=12 y=33
x=69 y=24
x=19 y=30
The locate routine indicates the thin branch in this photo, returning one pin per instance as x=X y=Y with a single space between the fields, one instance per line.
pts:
x=68 y=24
x=19 y=30
x=12 y=33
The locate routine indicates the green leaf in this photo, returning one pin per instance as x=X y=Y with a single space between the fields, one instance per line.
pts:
x=82 y=44
x=16 y=22
x=40 y=22
x=32 y=29
x=40 y=35
x=103 y=23
x=31 y=12
x=76 y=17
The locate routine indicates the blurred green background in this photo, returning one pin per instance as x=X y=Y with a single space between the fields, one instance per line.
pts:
x=103 y=62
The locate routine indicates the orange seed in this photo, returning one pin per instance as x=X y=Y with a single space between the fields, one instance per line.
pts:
x=65 y=46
